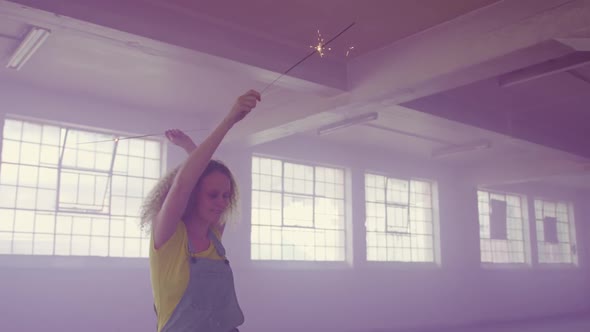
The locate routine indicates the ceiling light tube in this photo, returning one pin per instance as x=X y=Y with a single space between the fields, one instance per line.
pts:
x=348 y=122
x=550 y=67
x=454 y=149
x=32 y=41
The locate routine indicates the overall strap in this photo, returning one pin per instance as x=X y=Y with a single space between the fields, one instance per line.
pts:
x=191 y=250
x=216 y=243
x=213 y=238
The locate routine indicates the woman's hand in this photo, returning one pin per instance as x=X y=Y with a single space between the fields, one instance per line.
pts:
x=179 y=138
x=243 y=106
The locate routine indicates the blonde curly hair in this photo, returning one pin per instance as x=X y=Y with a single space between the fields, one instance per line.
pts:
x=155 y=199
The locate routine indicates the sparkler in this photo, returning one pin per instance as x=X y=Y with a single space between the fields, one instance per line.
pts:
x=117 y=139
x=319 y=48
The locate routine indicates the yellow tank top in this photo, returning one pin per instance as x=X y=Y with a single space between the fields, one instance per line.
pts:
x=169 y=269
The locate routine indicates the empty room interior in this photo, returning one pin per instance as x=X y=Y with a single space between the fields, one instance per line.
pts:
x=410 y=165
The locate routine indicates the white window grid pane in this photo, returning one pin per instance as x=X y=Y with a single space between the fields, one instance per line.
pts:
x=79 y=206
x=297 y=212
x=514 y=248
x=564 y=251
x=399 y=219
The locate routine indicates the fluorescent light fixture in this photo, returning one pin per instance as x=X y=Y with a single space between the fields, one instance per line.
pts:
x=454 y=149
x=32 y=41
x=348 y=122
x=550 y=67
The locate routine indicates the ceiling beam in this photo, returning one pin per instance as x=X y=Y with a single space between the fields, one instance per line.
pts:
x=444 y=57
x=191 y=30
x=401 y=72
x=456 y=53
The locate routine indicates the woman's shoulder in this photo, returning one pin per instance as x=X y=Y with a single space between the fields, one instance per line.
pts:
x=175 y=243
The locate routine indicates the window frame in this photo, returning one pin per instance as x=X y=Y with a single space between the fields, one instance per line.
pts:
x=571 y=230
x=72 y=259
x=526 y=230
x=346 y=227
x=435 y=222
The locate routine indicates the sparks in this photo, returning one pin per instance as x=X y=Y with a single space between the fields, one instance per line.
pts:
x=321 y=45
x=349 y=50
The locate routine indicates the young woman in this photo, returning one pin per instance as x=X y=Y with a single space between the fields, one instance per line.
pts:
x=192 y=280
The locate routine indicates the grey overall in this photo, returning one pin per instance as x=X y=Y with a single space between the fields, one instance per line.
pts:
x=209 y=303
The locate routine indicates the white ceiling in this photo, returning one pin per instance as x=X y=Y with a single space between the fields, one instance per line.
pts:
x=295 y=23
x=173 y=56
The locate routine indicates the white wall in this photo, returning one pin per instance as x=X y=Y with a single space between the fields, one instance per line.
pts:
x=103 y=294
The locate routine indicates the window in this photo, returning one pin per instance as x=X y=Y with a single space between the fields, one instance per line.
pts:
x=503 y=228
x=68 y=191
x=555 y=232
x=399 y=219
x=297 y=212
